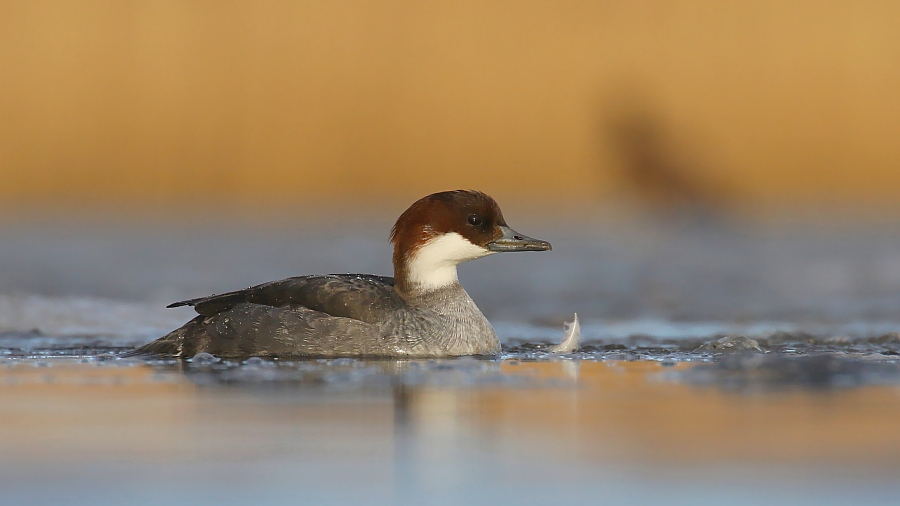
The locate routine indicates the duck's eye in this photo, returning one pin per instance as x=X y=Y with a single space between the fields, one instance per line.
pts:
x=474 y=220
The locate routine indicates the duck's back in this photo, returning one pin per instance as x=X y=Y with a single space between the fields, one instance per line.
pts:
x=332 y=315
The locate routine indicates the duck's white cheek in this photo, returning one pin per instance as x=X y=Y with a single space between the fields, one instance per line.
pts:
x=434 y=264
x=452 y=247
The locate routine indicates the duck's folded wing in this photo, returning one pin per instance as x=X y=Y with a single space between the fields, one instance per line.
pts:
x=359 y=296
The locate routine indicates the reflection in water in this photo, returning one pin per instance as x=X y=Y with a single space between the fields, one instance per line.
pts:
x=753 y=372
x=467 y=429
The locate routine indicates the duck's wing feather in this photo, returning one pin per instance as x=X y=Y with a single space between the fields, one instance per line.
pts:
x=361 y=297
x=248 y=330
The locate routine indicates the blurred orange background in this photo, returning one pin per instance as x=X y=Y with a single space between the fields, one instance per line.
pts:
x=744 y=104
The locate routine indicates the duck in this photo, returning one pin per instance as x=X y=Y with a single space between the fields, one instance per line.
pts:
x=420 y=312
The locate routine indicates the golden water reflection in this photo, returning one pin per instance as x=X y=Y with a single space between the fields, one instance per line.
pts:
x=587 y=412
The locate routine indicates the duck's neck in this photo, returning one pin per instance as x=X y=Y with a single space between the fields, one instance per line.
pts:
x=412 y=284
x=431 y=266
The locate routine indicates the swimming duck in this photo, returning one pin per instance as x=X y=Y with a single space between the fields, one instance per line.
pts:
x=422 y=311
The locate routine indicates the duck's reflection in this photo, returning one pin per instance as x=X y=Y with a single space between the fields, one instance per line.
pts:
x=746 y=407
x=437 y=414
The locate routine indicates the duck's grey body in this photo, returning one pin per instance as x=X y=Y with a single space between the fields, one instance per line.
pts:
x=332 y=316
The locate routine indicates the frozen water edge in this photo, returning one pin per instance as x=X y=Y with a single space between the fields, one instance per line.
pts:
x=62 y=319
x=618 y=330
x=134 y=321
x=32 y=323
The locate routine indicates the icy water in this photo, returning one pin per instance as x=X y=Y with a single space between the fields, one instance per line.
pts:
x=717 y=367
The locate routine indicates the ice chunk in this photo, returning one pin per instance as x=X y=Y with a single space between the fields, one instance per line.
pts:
x=203 y=358
x=731 y=343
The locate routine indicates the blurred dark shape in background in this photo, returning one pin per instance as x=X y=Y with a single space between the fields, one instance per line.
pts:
x=662 y=172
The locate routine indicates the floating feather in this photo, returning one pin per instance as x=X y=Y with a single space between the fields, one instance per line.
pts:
x=571 y=339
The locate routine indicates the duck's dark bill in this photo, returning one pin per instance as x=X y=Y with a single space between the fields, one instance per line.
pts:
x=514 y=241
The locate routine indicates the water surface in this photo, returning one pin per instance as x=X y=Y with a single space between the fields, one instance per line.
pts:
x=717 y=367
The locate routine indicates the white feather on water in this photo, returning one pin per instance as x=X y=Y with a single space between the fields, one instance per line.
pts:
x=571 y=339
